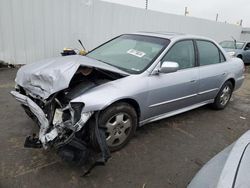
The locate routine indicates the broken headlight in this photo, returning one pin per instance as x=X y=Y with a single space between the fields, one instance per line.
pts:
x=72 y=116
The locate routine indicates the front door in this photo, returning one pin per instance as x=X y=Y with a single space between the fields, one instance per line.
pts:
x=173 y=91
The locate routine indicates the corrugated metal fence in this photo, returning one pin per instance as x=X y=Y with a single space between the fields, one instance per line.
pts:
x=35 y=29
x=245 y=34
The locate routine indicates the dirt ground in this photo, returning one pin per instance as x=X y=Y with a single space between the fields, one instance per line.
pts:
x=167 y=153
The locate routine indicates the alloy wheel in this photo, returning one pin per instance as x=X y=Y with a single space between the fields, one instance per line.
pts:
x=225 y=95
x=118 y=129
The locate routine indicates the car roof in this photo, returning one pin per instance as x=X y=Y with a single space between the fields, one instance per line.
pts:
x=170 y=35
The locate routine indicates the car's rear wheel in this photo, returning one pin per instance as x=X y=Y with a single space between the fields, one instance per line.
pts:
x=120 y=121
x=223 y=97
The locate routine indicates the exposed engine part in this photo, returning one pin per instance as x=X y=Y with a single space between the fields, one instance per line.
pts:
x=86 y=148
x=74 y=141
x=46 y=135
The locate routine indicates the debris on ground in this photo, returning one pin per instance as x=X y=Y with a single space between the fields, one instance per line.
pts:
x=241 y=117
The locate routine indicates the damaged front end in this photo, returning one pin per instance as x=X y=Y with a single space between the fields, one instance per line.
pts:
x=46 y=91
x=75 y=135
x=64 y=125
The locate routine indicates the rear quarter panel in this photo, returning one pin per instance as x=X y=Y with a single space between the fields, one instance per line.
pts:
x=235 y=70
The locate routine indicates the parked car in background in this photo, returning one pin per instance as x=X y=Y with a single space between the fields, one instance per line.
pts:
x=229 y=168
x=87 y=104
x=237 y=49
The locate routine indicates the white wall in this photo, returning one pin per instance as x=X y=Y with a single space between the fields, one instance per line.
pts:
x=35 y=29
x=245 y=35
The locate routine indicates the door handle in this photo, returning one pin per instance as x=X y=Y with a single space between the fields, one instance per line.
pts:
x=193 y=81
x=223 y=74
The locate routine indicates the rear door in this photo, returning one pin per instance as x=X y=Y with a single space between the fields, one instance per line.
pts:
x=212 y=69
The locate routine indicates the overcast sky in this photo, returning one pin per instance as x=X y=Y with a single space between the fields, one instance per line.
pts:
x=231 y=11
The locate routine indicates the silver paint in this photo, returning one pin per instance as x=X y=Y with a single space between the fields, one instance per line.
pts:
x=194 y=86
x=229 y=168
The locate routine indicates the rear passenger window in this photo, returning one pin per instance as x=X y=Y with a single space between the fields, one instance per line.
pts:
x=208 y=53
x=182 y=53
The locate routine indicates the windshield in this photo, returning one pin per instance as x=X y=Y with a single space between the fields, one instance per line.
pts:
x=231 y=44
x=131 y=53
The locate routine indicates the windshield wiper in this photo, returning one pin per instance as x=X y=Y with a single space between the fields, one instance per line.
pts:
x=120 y=68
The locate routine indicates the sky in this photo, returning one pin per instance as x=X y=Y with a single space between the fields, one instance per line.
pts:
x=231 y=11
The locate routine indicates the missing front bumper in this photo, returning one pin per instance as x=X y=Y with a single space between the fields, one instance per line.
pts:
x=44 y=136
x=74 y=148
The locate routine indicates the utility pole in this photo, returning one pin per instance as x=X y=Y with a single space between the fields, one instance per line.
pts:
x=217 y=15
x=241 y=22
x=146 y=4
x=186 y=11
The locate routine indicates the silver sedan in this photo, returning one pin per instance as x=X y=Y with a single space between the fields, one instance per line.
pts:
x=95 y=102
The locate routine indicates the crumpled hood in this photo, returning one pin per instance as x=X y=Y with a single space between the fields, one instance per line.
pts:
x=46 y=77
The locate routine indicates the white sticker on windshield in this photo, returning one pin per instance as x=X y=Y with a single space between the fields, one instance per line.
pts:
x=136 y=53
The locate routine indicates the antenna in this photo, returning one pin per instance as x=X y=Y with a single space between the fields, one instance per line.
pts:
x=233 y=38
x=234 y=42
x=186 y=11
x=81 y=44
x=241 y=22
x=217 y=16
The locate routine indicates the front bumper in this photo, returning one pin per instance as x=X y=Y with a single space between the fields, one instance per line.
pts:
x=44 y=137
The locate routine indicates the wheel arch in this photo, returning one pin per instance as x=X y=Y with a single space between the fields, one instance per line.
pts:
x=240 y=56
x=232 y=80
x=131 y=102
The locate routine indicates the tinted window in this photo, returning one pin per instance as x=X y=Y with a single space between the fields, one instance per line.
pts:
x=247 y=46
x=208 y=53
x=183 y=53
x=232 y=44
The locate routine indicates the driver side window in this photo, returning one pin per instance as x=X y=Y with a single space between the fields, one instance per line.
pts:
x=247 y=46
x=182 y=53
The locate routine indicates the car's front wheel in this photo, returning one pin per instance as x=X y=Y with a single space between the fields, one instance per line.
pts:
x=224 y=95
x=120 y=121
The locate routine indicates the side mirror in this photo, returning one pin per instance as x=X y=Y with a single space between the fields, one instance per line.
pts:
x=168 y=67
x=247 y=48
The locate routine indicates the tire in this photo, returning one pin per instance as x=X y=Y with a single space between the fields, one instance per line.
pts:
x=120 y=121
x=223 y=97
x=240 y=56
